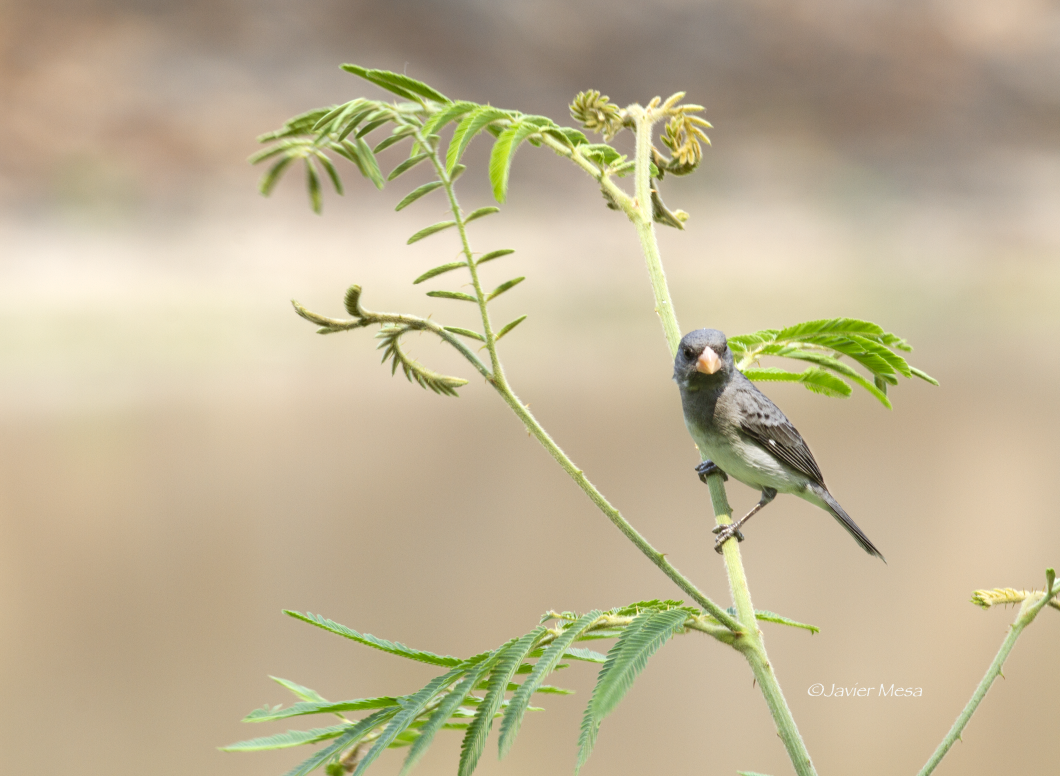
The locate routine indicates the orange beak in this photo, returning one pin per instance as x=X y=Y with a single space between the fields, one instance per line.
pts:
x=708 y=363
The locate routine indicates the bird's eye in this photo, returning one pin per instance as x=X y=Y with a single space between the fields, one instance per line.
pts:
x=722 y=349
x=689 y=353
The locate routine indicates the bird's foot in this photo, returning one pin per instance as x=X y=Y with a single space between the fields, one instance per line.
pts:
x=726 y=532
x=708 y=468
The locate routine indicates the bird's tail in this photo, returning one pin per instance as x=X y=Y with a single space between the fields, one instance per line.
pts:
x=823 y=498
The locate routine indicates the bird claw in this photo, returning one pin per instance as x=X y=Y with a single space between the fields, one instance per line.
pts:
x=708 y=468
x=726 y=532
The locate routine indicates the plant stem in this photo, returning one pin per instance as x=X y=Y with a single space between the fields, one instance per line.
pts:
x=631 y=533
x=749 y=642
x=500 y=383
x=1028 y=611
x=664 y=308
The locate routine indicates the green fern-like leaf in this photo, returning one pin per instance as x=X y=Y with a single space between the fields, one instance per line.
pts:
x=351 y=122
x=824 y=342
x=415 y=194
x=815 y=379
x=393 y=647
x=338 y=115
x=509 y=326
x=586 y=655
x=474 y=215
x=402 y=132
x=439 y=271
x=399 y=84
x=316 y=197
x=305 y=693
x=473 y=123
x=505 y=286
x=493 y=255
x=767 y=616
x=301 y=124
x=923 y=375
x=428 y=231
x=568 y=136
x=626 y=659
x=372 y=125
x=411 y=708
x=272 y=177
x=546 y=664
x=414 y=371
x=287 y=740
x=329 y=168
x=444 y=116
x=460 y=295
x=407 y=165
x=316 y=707
x=445 y=710
x=509 y=659
x=465 y=333
x=369 y=165
x=344 y=741
x=830 y=326
x=504 y=149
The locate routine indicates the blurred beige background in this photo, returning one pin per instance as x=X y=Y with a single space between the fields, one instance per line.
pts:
x=181 y=457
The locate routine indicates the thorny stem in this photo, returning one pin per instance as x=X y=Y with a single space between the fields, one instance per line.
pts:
x=1028 y=611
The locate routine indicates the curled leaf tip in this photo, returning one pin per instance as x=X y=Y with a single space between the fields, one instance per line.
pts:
x=353 y=302
x=596 y=113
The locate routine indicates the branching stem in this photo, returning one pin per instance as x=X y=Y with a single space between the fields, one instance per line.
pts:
x=500 y=383
x=1028 y=611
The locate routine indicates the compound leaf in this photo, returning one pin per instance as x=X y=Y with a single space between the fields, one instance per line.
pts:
x=513 y=716
x=625 y=660
x=393 y=647
x=504 y=150
x=399 y=84
x=508 y=661
x=285 y=740
x=473 y=123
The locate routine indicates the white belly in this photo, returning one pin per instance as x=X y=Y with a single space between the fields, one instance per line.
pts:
x=754 y=467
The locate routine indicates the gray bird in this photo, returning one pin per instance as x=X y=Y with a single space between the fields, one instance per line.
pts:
x=745 y=435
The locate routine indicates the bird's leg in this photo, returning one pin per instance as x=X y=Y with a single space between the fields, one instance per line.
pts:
x=708 y=468
x=726 y=532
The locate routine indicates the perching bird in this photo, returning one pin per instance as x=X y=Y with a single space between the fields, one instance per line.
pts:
x=745 y=435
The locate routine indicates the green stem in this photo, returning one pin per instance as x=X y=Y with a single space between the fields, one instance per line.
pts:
x=750 y=642
x=1028 y=611
x=498 y=380
x=631 y=533
x=664 y=307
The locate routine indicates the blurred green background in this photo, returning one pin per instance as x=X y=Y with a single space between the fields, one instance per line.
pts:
x=181 y=457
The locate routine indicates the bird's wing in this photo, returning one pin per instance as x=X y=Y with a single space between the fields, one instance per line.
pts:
x=763 y=422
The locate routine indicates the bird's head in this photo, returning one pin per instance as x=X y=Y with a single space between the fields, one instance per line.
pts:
x=703 y=359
